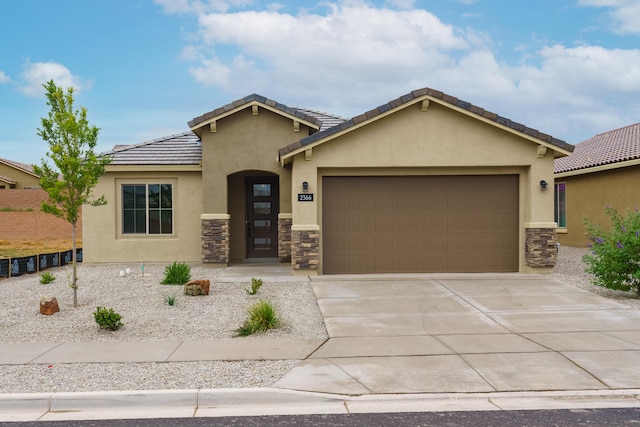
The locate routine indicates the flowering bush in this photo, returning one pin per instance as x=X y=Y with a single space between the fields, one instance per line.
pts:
x=614 y=259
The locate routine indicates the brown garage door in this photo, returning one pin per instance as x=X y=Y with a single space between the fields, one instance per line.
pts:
x=410 y=224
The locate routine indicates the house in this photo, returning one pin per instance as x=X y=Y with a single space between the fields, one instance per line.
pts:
x=603 y=170
x=15 y=175
x=423 y=183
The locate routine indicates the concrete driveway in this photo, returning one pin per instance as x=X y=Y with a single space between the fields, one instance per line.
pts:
x=467 y=333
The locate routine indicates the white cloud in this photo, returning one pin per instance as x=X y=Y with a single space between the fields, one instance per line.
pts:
x=353 y=45
x=4 y=78
x=37 y=73
x=356 y=56
x=625 y=14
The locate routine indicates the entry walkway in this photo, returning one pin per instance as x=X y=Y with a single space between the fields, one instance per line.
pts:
x=396 y=343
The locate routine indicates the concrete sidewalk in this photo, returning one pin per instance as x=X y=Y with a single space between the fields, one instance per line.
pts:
x=397 y=343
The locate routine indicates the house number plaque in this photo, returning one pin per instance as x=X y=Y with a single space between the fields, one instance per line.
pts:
x=305 y=197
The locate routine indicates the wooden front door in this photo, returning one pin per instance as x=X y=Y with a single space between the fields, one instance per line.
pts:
x=262 y=217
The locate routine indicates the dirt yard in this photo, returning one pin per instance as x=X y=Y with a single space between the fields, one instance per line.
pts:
x=18 y=248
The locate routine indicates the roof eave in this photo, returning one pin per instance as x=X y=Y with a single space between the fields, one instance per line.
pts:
x=154 y=168
x=598 y=168
x=197 y=128
x=285 y=154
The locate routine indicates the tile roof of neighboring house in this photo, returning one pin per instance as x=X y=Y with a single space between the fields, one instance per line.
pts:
x=322 y=120
x=7 y=180
x=22 y=166
x=408 y=98
x=180 y=149
x=603 y=149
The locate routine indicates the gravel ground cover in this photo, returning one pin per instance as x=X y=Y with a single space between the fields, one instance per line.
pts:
x=147 y=317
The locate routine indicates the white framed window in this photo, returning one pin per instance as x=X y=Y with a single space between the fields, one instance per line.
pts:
x=147 y=209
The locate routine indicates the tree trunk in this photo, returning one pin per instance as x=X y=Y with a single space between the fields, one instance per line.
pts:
x=74 y=276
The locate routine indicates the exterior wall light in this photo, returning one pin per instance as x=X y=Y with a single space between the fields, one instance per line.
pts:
x=305 y=186
x=543 y=185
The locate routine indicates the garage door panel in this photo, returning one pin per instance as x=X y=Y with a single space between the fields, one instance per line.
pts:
x=420 y=224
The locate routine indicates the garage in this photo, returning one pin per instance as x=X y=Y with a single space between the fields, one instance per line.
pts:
x=407 y=224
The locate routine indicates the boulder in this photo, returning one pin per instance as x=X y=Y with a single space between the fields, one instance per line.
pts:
x=197 y=287
x=49 y=306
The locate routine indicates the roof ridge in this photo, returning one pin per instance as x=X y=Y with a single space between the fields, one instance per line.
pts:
x=246 y=100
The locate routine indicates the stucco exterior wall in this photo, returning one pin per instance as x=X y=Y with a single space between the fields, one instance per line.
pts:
x=244 y=145
x=103 y=240
x=588 y=194
x=437 y=141
x=245 y=142
x=22 y=179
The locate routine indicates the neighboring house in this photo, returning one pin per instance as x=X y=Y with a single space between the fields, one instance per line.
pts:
x=603 y=170
x=424 y=183
x=15 y=175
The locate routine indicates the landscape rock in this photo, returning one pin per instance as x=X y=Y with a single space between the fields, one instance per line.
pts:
x=197 y=287
x=49 y=305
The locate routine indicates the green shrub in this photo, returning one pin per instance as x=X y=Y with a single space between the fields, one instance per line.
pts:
x=107 y=318
x=255 y=285
x=177 y=273
x=261 y=316
x=47 y=278
x=170 y=299
x=614 y=260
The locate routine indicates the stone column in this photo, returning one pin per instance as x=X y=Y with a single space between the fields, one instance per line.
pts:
x=305 y=249
x=284 y=237
x=215 y=238
x=541 y=247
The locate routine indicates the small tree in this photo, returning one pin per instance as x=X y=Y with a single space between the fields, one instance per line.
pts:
x=70 y=182
x=614 y=260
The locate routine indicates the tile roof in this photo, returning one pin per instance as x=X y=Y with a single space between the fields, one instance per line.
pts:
x=7 y=180
x=22 y=166
x=412 y=96
x=327 y=120
x=180 y=149
x=606 y=148
x=322 y=120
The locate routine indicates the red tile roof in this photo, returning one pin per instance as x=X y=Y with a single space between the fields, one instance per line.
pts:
x=606 y=148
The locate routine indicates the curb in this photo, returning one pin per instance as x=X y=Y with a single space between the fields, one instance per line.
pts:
x=272 y=401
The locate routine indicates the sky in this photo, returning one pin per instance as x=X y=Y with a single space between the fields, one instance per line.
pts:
x=144 y=68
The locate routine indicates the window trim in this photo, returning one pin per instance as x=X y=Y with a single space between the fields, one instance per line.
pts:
x=119 y=223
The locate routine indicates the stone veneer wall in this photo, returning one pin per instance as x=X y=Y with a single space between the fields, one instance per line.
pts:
x=305 y=249
x=284 y=239
x=215 y=241
x=541 y=247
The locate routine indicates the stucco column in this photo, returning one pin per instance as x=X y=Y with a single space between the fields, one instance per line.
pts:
x=215 y=238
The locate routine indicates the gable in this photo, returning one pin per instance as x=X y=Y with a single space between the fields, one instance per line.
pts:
x=411 y=137
x=424 y=98
x=18 y=174
x=299 y=116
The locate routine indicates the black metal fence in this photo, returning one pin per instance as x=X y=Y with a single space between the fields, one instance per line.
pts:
x=12 y=267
